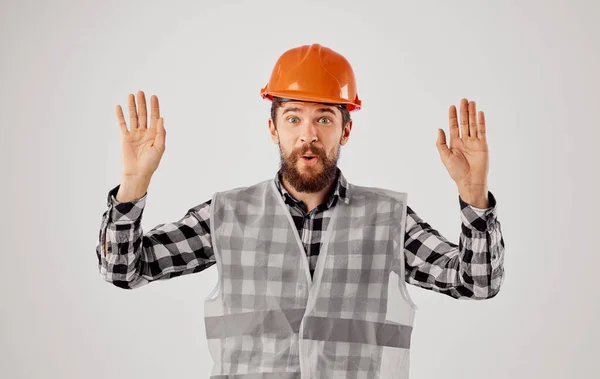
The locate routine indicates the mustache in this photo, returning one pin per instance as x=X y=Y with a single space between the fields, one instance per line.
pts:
x=315 y=151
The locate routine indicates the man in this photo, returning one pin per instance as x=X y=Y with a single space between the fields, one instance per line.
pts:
x=312 y=268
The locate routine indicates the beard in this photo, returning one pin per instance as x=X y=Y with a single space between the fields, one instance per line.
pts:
x=309 y=178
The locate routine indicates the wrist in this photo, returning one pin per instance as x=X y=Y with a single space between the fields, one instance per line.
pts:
x=476 y=196
x=132 y=189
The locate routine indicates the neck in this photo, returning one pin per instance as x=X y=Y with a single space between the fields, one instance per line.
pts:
x=310 y=199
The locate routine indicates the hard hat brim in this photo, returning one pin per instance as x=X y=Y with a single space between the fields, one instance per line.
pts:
x=304 y=96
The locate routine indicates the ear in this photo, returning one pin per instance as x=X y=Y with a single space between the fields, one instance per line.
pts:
x=273 y=132
x=346 y=133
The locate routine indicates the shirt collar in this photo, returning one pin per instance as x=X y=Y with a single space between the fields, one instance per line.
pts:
x=340 y=190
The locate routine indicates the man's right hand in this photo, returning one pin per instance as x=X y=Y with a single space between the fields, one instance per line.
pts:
x=142 y=146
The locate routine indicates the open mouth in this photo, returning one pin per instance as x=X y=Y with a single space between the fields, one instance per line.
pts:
x=309 y=159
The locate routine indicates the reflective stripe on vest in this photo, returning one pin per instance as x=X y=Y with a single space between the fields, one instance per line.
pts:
x=267 y=318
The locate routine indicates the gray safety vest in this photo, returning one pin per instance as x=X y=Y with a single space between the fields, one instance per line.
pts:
x=267 y=319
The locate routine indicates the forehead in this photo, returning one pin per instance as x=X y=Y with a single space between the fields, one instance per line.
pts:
x=305 y=106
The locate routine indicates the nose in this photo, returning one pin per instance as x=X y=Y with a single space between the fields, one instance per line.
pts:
x=308 y=133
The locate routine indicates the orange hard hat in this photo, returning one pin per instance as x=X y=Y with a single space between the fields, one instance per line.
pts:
x=313 y=73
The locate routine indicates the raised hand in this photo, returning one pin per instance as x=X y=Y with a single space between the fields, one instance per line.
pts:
x=141 y=146
x=467 y=158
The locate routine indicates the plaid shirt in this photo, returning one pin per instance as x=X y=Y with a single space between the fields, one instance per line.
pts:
x=472 y=269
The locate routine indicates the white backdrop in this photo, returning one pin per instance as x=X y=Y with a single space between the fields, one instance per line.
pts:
x=532 y=67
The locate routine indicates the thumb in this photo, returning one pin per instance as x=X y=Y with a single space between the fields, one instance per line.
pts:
x=159 y=140
x=441 y=145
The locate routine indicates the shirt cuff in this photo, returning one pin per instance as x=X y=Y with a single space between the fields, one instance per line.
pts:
x=125 y=212
x=480 y=219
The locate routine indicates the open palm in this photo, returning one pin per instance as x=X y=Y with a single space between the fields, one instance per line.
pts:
x=141 y=147
x=467 y=158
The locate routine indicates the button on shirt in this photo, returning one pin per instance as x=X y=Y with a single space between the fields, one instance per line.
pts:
x=472 y=269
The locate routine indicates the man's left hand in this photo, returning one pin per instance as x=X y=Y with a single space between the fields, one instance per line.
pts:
x=466 y=159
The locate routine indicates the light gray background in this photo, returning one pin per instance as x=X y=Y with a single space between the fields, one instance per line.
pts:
x=532 y=67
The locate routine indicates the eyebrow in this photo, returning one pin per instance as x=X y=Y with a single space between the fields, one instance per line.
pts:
x=296 y=109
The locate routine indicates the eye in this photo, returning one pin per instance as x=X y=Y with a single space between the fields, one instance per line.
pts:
x=325 y=118
x=292 y=117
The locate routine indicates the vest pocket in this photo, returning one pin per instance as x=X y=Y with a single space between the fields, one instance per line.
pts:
x=341 y=275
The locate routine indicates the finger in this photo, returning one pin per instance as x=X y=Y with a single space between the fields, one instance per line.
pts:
x=472 y=120
x=464 y=118
x=481 y=131
x=453 y=124
x=133 y=121
x=154 y=111
x=159 y=140
x=143 y=114
x=121 y=119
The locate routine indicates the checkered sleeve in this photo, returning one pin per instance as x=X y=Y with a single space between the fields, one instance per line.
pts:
x=134 y=258
x=473 y=269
